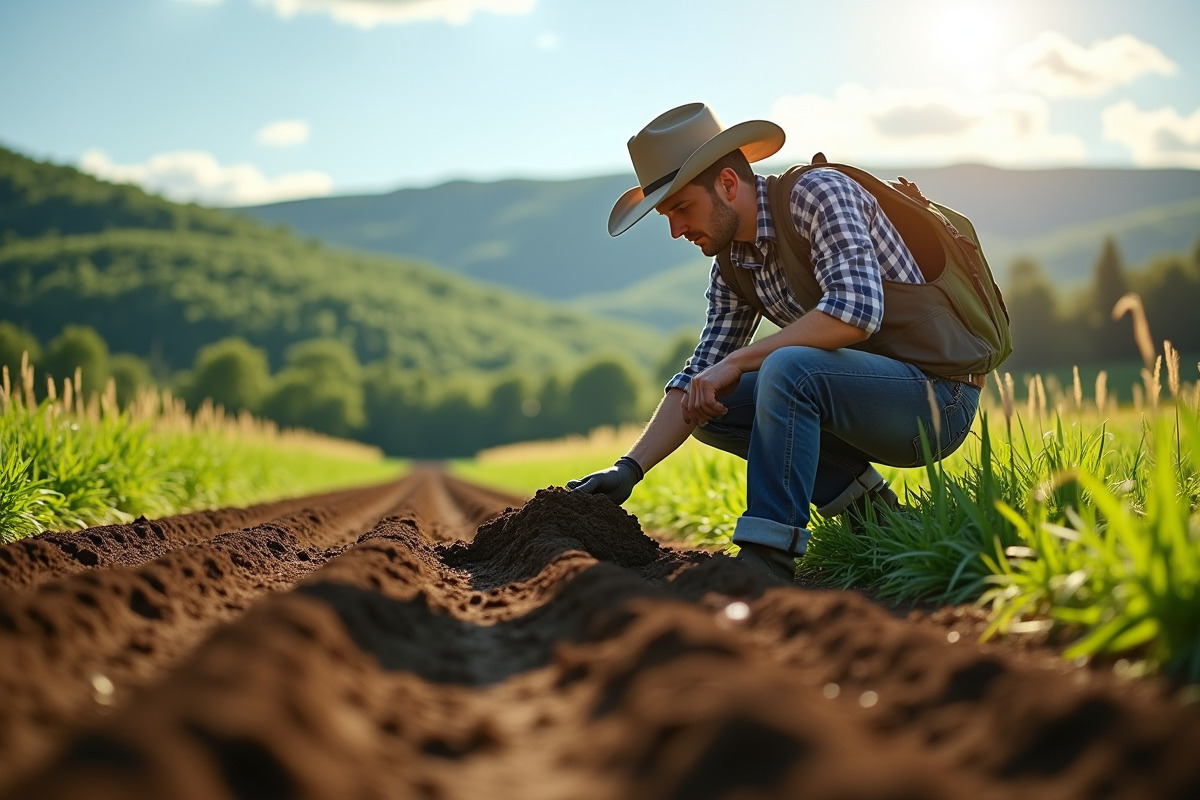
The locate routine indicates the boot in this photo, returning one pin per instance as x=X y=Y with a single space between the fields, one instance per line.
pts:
x=779 y=564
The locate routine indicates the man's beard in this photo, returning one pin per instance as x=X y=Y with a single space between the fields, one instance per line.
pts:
x=723 y=225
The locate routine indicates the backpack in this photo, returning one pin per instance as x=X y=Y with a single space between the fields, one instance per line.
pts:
x=954 y=325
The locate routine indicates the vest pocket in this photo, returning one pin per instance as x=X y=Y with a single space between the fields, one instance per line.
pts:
x=920 y=328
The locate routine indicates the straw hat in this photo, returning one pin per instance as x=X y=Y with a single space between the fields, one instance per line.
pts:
x=679 y=145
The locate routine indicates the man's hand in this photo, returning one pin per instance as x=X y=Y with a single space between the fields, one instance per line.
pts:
x=616 y=483
x=700 y=405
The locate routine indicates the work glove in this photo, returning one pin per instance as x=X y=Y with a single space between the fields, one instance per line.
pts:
x=616 y=483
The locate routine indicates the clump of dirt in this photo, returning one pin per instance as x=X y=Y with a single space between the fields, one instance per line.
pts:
x=521 y=542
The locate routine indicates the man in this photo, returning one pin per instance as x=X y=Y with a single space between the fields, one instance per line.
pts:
x=807 y=409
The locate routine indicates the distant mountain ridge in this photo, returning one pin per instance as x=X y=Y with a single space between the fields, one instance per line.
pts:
x=549 y=237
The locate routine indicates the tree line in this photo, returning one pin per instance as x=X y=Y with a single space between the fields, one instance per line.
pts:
x=323 y=387
x=1053 y=329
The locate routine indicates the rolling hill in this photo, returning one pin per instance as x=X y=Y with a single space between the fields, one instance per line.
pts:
x=549 y=238
x=161 y=280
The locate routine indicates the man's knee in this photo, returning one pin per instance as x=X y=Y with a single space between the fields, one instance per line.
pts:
x=723 y=438
x=787 y=366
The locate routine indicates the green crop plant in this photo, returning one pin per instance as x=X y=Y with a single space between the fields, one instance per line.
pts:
x=68 y=463
x=1118 y=578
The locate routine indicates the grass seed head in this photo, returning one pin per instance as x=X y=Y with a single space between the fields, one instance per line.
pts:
x=1008 y=395
x=1131 y=304
x=1172 y=358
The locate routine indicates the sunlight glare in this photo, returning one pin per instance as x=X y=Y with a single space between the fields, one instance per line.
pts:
x=969 y=31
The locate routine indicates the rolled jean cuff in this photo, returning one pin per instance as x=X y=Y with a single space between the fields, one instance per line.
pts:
x=868 y=481
x=757 y=530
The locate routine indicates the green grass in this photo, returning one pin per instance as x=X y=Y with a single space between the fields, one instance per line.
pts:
x=67 y=465
x=1119 y=570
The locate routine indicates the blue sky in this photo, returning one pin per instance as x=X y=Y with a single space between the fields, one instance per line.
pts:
x=231 y=102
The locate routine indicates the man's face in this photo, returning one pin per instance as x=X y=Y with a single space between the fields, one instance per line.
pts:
x=701 y=217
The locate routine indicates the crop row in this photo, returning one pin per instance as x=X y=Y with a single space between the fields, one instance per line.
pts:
x=67 y=462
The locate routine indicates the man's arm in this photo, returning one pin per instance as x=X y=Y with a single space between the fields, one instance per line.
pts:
x=661 y=436
x=664 y=433
x=701 y=403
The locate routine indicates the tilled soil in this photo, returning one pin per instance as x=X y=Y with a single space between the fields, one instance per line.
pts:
x=432 y=639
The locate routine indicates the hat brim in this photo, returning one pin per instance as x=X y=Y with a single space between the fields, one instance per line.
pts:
x=756 y=138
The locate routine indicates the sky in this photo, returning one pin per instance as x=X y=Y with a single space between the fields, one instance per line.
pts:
x=239 y=102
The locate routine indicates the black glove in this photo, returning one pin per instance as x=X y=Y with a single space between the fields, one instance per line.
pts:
x=616 y=483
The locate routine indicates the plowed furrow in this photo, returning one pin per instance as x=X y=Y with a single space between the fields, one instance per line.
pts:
x=96 y=636
x=29 y=562
x=559 y=653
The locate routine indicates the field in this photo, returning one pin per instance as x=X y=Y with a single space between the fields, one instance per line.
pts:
x=429 y=637
x=392 y=642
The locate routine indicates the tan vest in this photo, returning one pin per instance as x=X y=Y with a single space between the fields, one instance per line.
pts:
x=954 y=325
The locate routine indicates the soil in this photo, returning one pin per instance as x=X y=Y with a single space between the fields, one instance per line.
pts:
x=432 y=639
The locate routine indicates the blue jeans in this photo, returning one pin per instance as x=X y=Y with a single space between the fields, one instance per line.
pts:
x=810 y=422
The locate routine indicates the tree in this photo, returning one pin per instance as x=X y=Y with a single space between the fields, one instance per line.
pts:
x=300 y=399
x=78 y=347
x=1039 y=336
x=15 y=342
x=320 y=388
x=129 y=375
x=232 y=373
x=509 y=408
x=604 y=393
x=395 y=402
x=1171 y=295
x=330 y=359
x=1110 y=337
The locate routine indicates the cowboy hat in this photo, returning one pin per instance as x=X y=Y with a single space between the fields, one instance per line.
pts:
x=679 y=145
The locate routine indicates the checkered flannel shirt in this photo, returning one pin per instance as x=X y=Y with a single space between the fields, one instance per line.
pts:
x=853 y=245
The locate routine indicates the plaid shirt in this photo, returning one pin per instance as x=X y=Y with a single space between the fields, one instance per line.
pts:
x=854 y=247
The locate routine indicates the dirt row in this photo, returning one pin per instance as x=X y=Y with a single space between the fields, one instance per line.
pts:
x=429 y=638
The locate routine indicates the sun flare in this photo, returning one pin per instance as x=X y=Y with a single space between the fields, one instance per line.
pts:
x=969 y=31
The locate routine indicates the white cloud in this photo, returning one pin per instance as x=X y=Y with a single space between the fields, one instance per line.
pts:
x=1160 y=138
x=923 y=126
x=187 y=176
x=1057 y=67
x=283 y=133
x=369 y=13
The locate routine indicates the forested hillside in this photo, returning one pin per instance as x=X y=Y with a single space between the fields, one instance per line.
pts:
x=403 y=354
x=159 y=278
x=37 y=199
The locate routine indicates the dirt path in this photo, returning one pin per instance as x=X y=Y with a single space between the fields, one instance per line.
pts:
x=432 y=639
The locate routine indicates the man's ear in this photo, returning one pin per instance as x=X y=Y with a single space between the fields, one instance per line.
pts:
x=727 y=184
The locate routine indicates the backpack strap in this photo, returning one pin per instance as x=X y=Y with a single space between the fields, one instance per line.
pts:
x=801 y=277
x=741 y=282
x=802 y=281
